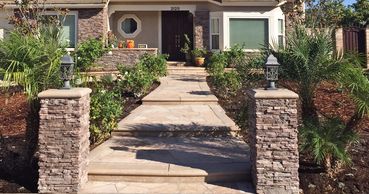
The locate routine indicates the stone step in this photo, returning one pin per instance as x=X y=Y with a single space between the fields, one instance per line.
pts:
x=168 y=188
x=176 y=63
x=186 y=70
x=176 y=120
x=170 y=160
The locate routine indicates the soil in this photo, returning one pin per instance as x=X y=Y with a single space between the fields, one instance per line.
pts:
x=18 y=167
x=330 y=101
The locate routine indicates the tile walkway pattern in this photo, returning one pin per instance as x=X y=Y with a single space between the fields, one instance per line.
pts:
x=151 y=152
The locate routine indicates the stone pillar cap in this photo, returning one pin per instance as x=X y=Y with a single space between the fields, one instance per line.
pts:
x=272 y=94
x=64 y=93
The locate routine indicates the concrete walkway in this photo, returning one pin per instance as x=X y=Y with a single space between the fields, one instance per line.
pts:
x=179 y=141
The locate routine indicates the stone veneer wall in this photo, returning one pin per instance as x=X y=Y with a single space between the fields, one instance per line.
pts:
x=92 y=23
x=273 y=141
x=63 y=140
x=202 y=29
x=123 y=56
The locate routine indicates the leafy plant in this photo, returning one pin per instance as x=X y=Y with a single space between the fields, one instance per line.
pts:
x=199 y=52
x=88 y=52
x=228 y=82
x=327 y=141
x=32 y=61
x=217 y=64
x=249 y=68
x=235 y=55
x=136 y=80
x=106 y=109
x=187 y=45
x=155 y=64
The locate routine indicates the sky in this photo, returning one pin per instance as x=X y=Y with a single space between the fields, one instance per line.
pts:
x=349 y=2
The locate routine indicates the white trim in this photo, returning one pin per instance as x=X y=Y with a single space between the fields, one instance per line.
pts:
x=75 y=13
x=153 y=7
x=160 y=36
x=135 y=33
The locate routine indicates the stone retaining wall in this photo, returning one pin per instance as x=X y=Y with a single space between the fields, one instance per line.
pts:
x=123 y=56
x=63 y=140
x=273 y=141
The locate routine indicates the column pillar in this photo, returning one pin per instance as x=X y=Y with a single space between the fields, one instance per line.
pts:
x=202 y=29
x=339 y=40
x=273 y=137
x=63 y=140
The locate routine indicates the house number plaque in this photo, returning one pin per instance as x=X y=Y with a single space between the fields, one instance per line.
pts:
x=175 y=9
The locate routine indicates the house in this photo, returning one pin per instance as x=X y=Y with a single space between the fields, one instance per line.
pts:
x=162 y=24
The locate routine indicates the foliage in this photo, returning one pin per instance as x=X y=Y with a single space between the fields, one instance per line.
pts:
x=88 y=52
x=217 y=64
x=228 y=82
x=106 y=109
x=235 y=55
x=308 y=59
x=199 y=52
x=32 y=61
x=136 y=80
x=187 y=45
x=249 y=68
x=155 y=64
x=327 y=141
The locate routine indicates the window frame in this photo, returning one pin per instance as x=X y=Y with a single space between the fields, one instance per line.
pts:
x=214 y=33
x=281 y=34
x=134 y=34
x=75 y=14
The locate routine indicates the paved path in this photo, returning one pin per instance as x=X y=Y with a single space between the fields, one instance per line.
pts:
x=179 y=141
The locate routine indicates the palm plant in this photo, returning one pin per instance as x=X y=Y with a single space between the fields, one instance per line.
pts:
x=327 y=141
x=32 y=61
x=308 y=59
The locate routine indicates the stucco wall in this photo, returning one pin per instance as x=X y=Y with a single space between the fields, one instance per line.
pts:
x=4 y=22
x=150 y=27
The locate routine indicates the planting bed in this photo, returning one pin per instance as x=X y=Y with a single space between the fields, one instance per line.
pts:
x=330 y=101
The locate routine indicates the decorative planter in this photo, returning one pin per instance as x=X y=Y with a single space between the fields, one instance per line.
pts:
x=130 y=44
x=188 y=58
x=199 y=61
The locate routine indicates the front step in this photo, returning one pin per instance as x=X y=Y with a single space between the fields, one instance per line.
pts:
x=176 y=120
x=170 y=160
x=186 y=70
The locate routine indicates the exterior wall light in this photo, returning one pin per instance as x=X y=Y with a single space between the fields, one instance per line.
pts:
x=66 y=68
x=271 y=72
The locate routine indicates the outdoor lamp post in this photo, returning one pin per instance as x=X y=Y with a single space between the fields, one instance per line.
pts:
x=271 y=72
x=66 y=68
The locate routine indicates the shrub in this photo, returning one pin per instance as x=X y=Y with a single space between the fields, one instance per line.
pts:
x=228 y=82
x=235 y=55
x=88 y=52
x=106 y=109
x=136 y=80
x=248 y=68
x=155 y=64
x=217 y=64
x=199 y=52
x=326 y=141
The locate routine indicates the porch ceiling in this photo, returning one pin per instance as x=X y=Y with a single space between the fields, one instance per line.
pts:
x=219 y=2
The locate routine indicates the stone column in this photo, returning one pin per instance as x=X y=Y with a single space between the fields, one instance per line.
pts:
x=339 y=40
x=202 y=29
x=63 y=140
x=273 y=141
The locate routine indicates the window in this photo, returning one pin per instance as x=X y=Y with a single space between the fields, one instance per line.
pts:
x=215 y=33
x=129 y=26
x=250 y=33
x=69 y=30
x=280 y=33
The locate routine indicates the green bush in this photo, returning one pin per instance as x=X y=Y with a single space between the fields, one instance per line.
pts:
x=228 y=82
x=248 y=69
x=88 y=52
x=326 y=141
x=106 y=109
x=199 y=52
x=235 y=55
x=217 y=64
x=136 y=80
x=156 y=64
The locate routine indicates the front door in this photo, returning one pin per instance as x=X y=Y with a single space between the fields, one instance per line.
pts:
x=175 y=24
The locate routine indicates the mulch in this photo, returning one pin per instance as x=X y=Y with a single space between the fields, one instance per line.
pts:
x=330 y=101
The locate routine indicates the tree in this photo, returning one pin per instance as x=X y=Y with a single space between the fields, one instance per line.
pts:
x=325 y=13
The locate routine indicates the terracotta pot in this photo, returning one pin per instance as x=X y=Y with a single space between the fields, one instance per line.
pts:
x=120 y=44
x=199 y=61
x=130 y=44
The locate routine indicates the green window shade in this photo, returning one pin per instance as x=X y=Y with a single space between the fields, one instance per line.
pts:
x=252 y=33
x=69 y=31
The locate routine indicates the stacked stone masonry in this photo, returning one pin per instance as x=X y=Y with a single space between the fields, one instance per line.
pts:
x=63 y=144
x=202 y=27
x=92 y=23
x=274 y=145
x=128 y=57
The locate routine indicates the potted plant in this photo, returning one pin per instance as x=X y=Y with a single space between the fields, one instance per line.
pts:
x=199 y=55
x=186 y=49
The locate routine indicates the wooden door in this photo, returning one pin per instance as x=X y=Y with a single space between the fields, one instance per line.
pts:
x=175 y=24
